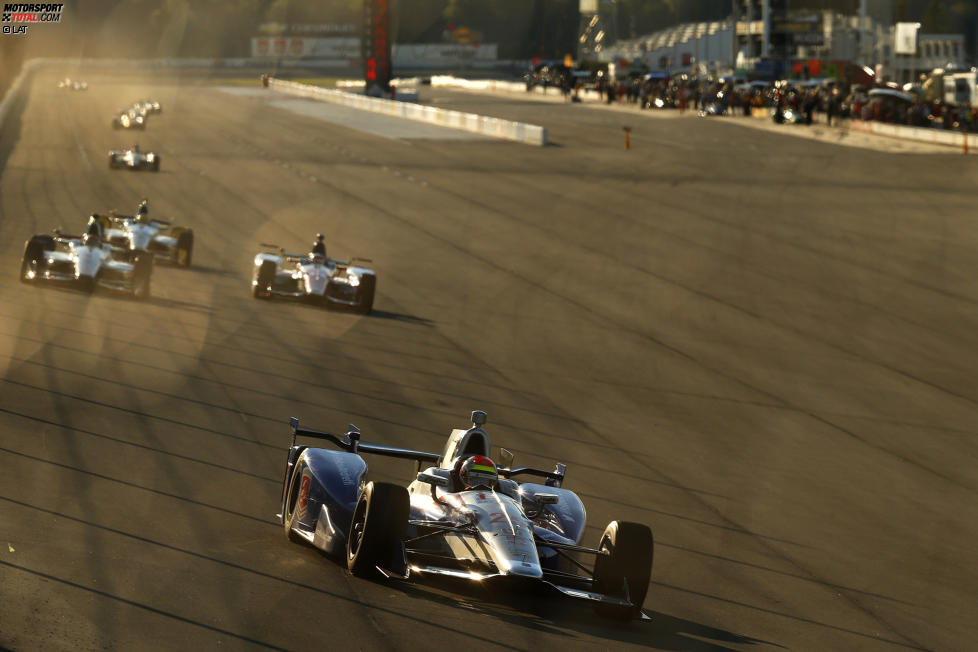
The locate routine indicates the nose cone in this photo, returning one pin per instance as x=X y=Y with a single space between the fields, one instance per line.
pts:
x=316 y=278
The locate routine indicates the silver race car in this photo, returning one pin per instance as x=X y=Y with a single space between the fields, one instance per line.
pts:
x=313 y=277
x=139 y=233
x=134 y=159
x=85 y=262
x=462 y=517
x=131 y=118
x=72 y=84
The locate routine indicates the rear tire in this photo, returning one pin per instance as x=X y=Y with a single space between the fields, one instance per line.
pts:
x=156 y=164
x=365 y=298
x=626 y=571
x=378 y=526
x=185 y=247
x=263 y=284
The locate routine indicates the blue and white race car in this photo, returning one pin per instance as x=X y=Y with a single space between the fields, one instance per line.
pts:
x=461 y=517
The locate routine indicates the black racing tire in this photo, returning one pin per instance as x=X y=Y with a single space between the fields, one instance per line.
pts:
x=112 y=162
x=142 y=274
x=33 y=253
x=289 y=510
x=630 y=547
x=185 y=248
x=156 y=163
x=365 y=297
x=266 y=275
x=116 y=124
x=378 y=527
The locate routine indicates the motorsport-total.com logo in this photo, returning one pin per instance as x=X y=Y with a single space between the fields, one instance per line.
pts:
x=17 y=16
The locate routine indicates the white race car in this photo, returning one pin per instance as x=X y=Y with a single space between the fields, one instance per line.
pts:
x=85 y=262
x=134 y=159
x=313 y=277
x=130 y=119
x=461 y=517
x=172 y=244
x=72 y=85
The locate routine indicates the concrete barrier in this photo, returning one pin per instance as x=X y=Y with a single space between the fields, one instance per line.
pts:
x=920 y=134
x=480 y=124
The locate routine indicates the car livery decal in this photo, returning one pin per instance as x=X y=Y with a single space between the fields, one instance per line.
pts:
x=303 y=495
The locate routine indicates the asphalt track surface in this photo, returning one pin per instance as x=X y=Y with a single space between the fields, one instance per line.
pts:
x=763 y=347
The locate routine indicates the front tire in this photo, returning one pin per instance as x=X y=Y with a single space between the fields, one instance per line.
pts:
x=626 y=570
x=33 y=254
x=365 y=298
x=378 y=526
x=263 y=283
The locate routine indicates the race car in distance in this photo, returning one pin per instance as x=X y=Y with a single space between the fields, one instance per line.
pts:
x=85 y=262
x=130 y=119
x=445 y=523
x=169 y=243
x=134 y=159
x=313 y=277
x=72 y=85
x=149 y=106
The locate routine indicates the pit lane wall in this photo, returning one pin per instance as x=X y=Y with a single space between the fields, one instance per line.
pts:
x=519 y=131
x=920 y=134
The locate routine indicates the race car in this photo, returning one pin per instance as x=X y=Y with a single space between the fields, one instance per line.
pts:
x=149 y=106
x=461 y=517
x=130 y=119
x=313 y=277
x=134 y=159
x=72 y=85
x=85 y=262
x=168 y=243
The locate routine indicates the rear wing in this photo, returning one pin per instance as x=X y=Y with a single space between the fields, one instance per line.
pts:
x=553 y=478
x=351 y=443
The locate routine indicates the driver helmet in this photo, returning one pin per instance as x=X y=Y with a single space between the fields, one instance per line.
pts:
x=478 y=471
x=142 y=213
x=135 y=147
x=91 y=240
x=318 y=259
x=319 y=237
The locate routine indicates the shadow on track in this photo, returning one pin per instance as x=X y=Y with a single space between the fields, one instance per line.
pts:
x=396 y=316
x=545 y=611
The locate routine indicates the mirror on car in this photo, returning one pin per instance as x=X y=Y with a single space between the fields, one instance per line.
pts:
x=432 y=479
x=505 y=458
x=546 y=499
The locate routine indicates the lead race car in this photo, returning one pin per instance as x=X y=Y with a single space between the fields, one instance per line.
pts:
x=313 y=277
x=85 y=262
x=462 y=517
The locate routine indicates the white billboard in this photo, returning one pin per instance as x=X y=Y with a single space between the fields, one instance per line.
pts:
x=303 y=46
x=905 y=38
